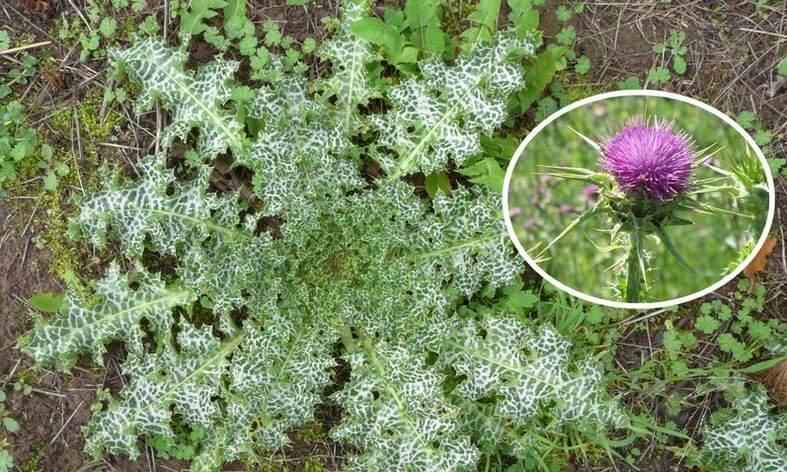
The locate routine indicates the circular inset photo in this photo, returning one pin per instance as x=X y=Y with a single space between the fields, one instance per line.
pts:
x=638 y=199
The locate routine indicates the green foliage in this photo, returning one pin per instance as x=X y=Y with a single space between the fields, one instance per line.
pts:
x=484 y=20
x=6 y=461
x=631 y=83
x=583 y=65
x=524 y=15
x=47 y=302
x=781 y=68
x=658 y=75
x=196 y=99
x=677 y=51
x=541 y=70
x=108 y=27
x=18 y=143
x=192 y=20
x=404 y=36
x=182 y=445
x=749 y=437
x=234 y=345
x=19 y=75
x=22 y=150
x=567 y=36
x=9 y=423
x=422 y=22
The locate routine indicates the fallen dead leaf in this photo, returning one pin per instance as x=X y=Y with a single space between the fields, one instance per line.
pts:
x=758 y=264
x=775 y=379
x=38 y=7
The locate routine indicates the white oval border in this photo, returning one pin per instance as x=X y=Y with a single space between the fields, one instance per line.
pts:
x=639 y=93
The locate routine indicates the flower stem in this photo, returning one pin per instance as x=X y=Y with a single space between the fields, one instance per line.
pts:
x=634 y=277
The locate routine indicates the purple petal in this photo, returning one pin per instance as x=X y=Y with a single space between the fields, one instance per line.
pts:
x=649 y=161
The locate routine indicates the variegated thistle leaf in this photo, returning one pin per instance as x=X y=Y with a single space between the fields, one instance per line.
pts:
x=753 y=440
x=219 y=254
x=349 y=55
x=464 y=242
x=440 y=117
x=275 y=381
x=298 y=158
x=85 y=327
x=145 y=208
x=196 y=100
x=530 y=371
x=397 y=414
x=183 y=381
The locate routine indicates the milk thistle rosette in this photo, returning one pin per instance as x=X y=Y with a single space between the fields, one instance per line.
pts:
x=645 y=182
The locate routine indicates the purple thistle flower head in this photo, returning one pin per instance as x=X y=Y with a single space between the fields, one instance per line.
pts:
x=650 y=161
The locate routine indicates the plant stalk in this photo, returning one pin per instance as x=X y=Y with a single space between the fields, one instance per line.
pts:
x=634 y=276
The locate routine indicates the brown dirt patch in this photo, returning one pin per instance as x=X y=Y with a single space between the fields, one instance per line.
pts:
x=733 y=48
x=41 y=414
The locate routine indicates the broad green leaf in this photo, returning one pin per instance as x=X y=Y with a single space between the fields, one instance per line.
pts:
x=6 y=461
x=540 y=72
x=583 y=65
x=10 y=424
x=423 y=21
x=764 y=365
x=484 y=20
x=524 y=16
x=658 y=75
x=192 y=21
x=437 y=182
x=781 y=68
x=486 y=172
x=375 y=31
x=235 y=18
x=47 y=302
x=679 y=64
x=108 y=27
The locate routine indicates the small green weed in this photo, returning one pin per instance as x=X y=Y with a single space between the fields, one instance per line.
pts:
x=18 y=143
x=9 y=423
x=6 y=460
x=183 y=445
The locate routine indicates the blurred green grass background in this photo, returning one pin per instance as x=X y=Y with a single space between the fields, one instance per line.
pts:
x=543 y=206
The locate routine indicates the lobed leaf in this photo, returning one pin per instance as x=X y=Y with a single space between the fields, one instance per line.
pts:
x=530 y=372
x=441 y=117
x=750 y=439
x=349 y=55
x=84 y=327
x=396 y=413
x=196 y=99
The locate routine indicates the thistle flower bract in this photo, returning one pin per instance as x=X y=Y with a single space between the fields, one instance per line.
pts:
x=653 y=162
